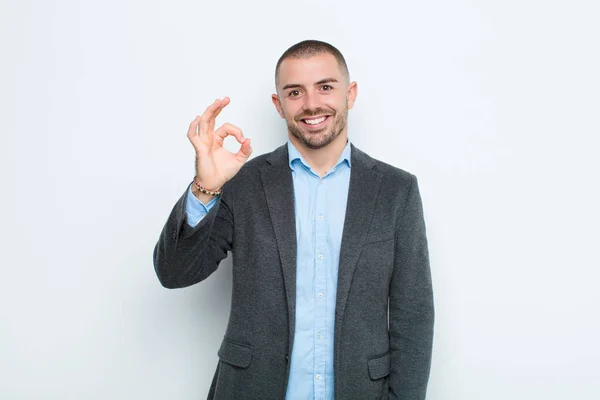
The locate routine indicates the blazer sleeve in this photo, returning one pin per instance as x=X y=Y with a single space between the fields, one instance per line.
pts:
x=411 y=304
x=186 y=254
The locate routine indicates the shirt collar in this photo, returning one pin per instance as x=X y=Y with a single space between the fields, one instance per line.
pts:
x=294 y=155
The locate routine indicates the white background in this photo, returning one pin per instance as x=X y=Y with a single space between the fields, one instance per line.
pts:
x=494 y=105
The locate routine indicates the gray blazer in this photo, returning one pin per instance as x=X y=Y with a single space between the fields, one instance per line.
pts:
x=381 y=349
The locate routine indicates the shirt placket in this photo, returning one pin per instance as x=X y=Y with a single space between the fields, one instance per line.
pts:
x=320 y=293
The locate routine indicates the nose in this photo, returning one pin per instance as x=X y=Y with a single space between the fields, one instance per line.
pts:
x=311 y=100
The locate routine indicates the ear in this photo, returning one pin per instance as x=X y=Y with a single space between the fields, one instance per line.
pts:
x=352 y=93
x=277 y=104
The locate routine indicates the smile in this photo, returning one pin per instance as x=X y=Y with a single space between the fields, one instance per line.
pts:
x=315 y=122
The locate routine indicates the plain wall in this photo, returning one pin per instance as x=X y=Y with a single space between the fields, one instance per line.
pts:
x=494 y=106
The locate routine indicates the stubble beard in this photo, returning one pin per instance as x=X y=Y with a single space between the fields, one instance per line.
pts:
x=318 y=140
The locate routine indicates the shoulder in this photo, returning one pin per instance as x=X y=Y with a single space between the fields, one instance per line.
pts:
x=253 y=166
x=391 y=174
x=397 y=190
x=248 y=177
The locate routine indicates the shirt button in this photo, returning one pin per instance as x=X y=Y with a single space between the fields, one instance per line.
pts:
x=320 y=295
x=318 y=377
x=319 y=335
x=320 y=218
x=320 y=256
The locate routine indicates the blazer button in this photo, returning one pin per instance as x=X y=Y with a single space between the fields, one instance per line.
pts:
x=287 y=358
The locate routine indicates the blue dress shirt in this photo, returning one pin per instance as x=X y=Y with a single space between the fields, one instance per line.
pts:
x=320 y=209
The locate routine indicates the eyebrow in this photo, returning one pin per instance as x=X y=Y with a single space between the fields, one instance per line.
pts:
x=297 y=85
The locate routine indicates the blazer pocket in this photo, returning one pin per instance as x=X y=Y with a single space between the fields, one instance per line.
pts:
x=235 y=353
x=378 y=237
x=379 y=366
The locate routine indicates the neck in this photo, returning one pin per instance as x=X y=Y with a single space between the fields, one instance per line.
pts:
x=323 y=159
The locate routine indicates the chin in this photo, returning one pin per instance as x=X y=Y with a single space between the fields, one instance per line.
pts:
x=314 y=139
x=309 y=140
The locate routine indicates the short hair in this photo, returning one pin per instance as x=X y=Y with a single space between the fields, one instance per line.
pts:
x=310 y=48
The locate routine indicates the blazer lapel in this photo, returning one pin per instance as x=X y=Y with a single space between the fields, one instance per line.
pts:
x=362 y=197
x=278 y=186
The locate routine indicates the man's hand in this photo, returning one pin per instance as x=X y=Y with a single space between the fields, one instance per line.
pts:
x=215 y=165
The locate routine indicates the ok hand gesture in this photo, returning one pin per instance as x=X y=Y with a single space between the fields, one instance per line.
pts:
x=215 y=165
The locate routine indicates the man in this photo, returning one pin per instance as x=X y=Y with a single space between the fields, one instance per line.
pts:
x=332 y=294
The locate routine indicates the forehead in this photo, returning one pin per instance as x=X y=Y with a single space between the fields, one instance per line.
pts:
x=307 y=71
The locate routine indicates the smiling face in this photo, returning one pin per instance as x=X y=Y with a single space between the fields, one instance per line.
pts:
x=314 y=96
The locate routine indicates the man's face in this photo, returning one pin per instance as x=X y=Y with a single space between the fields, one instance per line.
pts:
x=314 y=96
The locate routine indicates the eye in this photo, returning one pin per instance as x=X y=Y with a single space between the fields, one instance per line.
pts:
x=294 y=93
x=327 y=87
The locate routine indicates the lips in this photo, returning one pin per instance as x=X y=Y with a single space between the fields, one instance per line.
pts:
x=315 y=122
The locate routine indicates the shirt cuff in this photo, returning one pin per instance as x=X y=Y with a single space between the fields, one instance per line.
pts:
x=195 y=209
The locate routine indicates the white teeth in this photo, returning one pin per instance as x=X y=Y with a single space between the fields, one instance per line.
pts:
x=315 y=121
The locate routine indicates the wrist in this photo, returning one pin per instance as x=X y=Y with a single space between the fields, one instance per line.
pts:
x=202 y=197
x=197 y=185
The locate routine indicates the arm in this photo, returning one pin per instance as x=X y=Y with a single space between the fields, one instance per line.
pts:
x=188 y=253
x=191 y=246
x=411 y=304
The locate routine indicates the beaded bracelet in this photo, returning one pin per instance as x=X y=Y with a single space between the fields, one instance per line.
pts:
x=205 y=190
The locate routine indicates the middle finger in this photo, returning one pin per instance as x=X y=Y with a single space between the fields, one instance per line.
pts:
x=207 y=121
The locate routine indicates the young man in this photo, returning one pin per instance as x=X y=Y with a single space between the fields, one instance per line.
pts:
x=332 y=294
